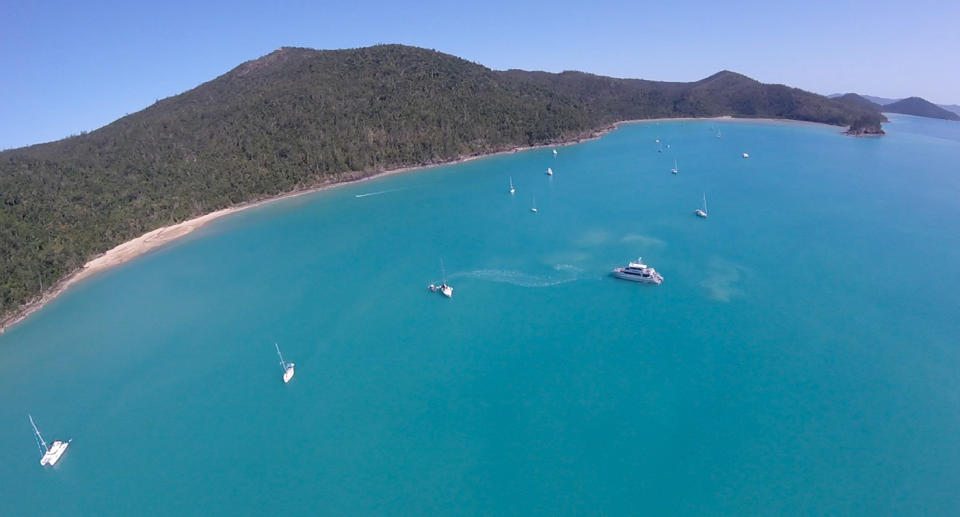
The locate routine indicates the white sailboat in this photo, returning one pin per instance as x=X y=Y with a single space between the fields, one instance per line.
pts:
x=554 y=152
x=703 y=212
x=746 y=155
x=444 y=288
x=675 y=169
x=51 y=454
x=534 y=209
x=512 y=190
x=287 y=367
x=549 y=171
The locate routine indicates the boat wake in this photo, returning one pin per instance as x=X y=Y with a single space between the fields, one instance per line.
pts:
x=377 y=193
x=565 y=273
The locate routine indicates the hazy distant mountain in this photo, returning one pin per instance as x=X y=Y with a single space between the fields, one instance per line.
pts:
x=916 y=106
x=853 y=99
x=883 y=101
x=951 y=107
x=921 y=108
x=299 y=117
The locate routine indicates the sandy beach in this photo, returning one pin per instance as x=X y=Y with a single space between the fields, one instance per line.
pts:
x=164 y=235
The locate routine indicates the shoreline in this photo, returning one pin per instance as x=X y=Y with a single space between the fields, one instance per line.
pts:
x=164 y=235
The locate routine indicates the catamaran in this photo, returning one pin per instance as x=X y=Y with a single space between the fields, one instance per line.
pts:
x=549 y=171
x=703 y=212
x=51 y=454
x=287 y=367
x=444 y=288
x=512 y=190
x=675 y=169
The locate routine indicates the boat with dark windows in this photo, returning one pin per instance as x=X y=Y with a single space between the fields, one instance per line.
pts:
x=639 y=272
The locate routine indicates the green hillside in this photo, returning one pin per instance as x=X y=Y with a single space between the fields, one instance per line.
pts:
x=298 y=118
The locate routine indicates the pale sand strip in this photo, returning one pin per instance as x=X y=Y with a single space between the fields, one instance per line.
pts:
x=161 y=236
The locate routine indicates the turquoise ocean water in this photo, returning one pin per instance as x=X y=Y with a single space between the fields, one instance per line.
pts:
x=802 y=356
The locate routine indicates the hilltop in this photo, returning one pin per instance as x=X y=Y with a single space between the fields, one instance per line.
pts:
x=298 y=118
x=916 y=106
x=921 y=108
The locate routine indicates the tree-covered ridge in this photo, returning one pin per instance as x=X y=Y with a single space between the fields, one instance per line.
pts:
x=297 y=118
x=921 y=108
x=721 y=94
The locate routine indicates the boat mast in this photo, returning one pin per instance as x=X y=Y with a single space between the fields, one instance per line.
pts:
x=704 y=202
x=39 y=436
x=282 y=363
x=443 y=272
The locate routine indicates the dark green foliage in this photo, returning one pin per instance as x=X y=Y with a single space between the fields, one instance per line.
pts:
x=921 y=108
x=852 y=99
x=297 y=118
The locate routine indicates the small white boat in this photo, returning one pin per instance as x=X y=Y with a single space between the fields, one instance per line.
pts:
x=675 y=169
x=702 y=212
x=51 y=454
x=512 y=190
x=554 y=152
x=745 y=155
x=444 y=288
x=549 y=171
x=718 y=134
x=534 y=209
x=287 y=367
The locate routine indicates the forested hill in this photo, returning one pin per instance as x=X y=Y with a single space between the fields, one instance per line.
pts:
x=299 y=117
x=724 y=93
x=920 y=107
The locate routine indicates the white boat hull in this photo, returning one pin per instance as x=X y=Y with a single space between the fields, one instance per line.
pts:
x=701 y=213
x=288 y=374
x=652 y=280
x=54 y=453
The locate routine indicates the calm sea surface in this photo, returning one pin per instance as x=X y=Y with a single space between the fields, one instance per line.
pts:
x=802 y=356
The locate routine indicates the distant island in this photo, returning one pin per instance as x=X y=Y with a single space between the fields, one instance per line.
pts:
x=298 y=118
x=916 y=106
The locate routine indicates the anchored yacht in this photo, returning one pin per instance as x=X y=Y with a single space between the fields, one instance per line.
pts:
x=702 y=212
x=287 y=367
x=51 y=454
x=639 y=272
x=549 y=171
x=444 y=288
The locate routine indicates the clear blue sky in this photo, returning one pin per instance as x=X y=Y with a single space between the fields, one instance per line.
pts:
x=71 y=66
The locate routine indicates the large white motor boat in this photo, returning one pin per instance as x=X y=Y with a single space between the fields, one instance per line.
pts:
x=639 y=272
